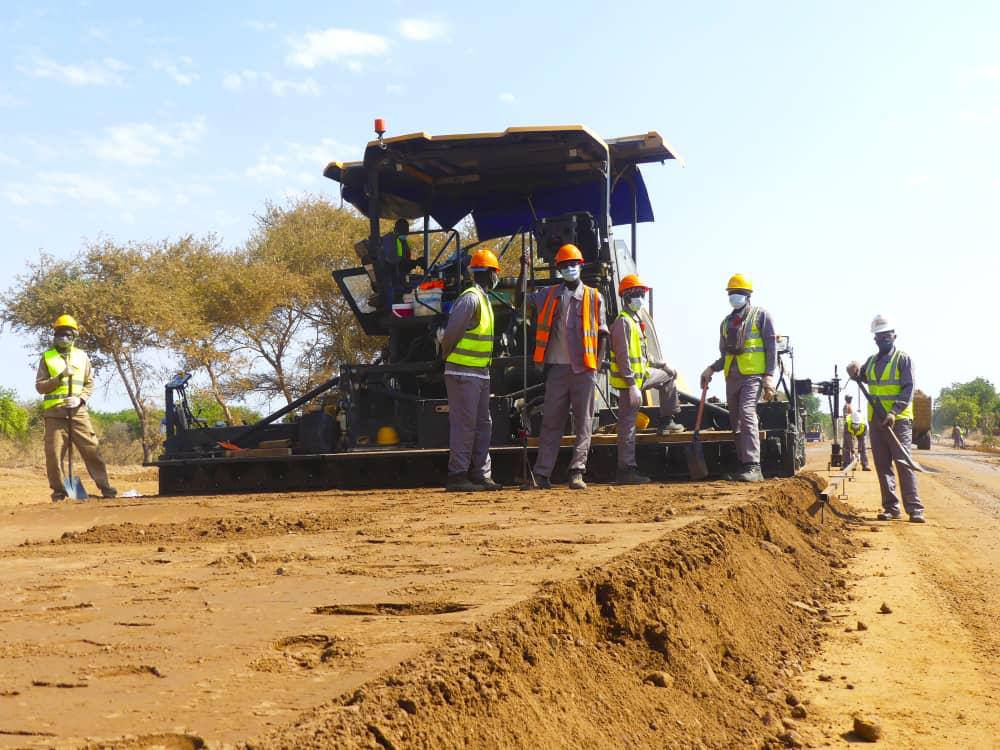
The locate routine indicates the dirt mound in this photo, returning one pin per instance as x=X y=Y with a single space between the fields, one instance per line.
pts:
x=167 y=741
x=687 y=641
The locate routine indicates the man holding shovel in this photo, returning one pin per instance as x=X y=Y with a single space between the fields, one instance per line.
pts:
x=66 y=380
x=889 y=377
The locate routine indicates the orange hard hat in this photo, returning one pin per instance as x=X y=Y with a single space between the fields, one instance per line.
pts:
x=484 y=259
x=632 y=281
x=568 y=252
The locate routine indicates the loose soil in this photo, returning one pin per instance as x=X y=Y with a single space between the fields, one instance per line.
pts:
x=684 y=615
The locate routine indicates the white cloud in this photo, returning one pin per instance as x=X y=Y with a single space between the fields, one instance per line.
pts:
x=318 y=47
x=248 y=79
x=51 y=188
x=182 y=71
x=261 y=25
x=300 y=162
x=106 y=72
x=506 y=97
x=143 y=143
x=98 y=33
x=421 y=29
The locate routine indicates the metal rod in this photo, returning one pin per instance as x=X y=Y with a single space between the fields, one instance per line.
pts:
x=273 y=417
x=635 y=216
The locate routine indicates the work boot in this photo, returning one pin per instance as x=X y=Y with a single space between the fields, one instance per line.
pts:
x=58 y=497
x=918 y=518
x=749 y=473
x=887 y=515
x=669 y=427
x=487 y=483
x=630 y=475
x=462 y=483
x=576 y=481
x=866 y=468
x=109 y=492
x=542 y=482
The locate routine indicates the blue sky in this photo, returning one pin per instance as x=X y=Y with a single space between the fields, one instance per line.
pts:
x=844 y=155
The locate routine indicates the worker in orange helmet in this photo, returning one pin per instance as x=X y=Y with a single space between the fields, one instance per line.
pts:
x=748 y=356
x=632 y=373
x=570 y=343
x=467 y=349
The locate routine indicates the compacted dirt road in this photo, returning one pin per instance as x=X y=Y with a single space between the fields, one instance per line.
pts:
x=669 y=616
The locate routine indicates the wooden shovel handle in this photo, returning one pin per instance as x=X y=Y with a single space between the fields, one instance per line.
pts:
x=701 y=410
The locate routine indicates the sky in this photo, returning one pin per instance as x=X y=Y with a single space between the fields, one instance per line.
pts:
x=844 y=155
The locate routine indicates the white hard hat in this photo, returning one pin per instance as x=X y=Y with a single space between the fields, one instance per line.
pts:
x=856 y=418
x=880 y=324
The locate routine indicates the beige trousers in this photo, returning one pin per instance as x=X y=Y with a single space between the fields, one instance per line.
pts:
x=85 y=446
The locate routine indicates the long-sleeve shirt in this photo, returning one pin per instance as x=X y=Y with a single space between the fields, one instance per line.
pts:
x=46 y=384
x=765 y=324
x=565 y=345
x=905 y=376
x=619 y=345
x=464 y=316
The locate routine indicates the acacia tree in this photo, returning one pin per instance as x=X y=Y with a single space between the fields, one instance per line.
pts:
x=109 y=290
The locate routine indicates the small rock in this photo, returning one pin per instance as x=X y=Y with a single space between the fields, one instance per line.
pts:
x=280 y=571
x=790 y=739
x=885 y=609
x=792 y=700
x=654 y=726
x=407 y=705
x=659 y=679
x=774 y=549
x=875 y=529
x=161 y=549
x=862 y=626
x=826 y=678
x=789 y=723
x=849 y=686
x=799 y=712
x=868 y=728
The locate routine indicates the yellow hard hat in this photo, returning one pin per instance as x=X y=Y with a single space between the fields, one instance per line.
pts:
x=641 y=420
x=387 y=435
x=66 y=321
x=739 y=281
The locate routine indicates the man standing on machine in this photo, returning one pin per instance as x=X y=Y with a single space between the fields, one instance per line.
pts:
x=749 y=357
x=632 y=374
x=467 y=348
x=570 y=341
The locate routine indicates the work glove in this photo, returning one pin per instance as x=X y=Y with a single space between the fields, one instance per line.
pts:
x=768 y=394
x=706 y=377
x=634 y=396
x=889 y=421
x=853 y=369
x=72 y=402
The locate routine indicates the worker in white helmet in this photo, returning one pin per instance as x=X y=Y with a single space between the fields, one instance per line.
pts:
x=889 y=376
x=856 y=429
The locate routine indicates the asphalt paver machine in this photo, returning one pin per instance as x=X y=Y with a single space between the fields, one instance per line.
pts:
x=385 y=423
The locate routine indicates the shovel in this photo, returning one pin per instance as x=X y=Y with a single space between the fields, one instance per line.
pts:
x=880 y=412
x=72 y=484
x=695 y=452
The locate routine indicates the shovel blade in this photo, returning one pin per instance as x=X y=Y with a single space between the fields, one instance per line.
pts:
x=74 y=488
x=695 y=454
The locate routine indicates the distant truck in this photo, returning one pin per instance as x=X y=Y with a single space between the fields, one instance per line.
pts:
x=814 y=433
x=922 y=412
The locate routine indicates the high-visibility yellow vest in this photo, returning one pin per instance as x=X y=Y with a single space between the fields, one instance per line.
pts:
x=475 y=348
x=56 y=363
x=886 y=387
x=636 y=354
x=857 y=431
x=752 y=360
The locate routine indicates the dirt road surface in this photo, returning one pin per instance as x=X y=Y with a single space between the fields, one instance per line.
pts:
x=681 y=615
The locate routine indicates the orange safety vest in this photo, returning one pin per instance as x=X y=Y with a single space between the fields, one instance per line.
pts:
x=591 y=317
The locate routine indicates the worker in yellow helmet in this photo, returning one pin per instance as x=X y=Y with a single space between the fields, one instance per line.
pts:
x=467 y=348
x=748 y=355
x=65 y=379
x=632 y=373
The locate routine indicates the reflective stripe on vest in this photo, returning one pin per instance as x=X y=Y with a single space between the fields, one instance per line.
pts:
x=752 y=360
x=887 y=387
x=475 y=348
x=636 y=354
x=590 y=318
x=55 y=363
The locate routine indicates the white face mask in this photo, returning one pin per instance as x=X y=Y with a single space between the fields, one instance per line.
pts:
x=635 y=303
x=737 y=301
x=570 y=273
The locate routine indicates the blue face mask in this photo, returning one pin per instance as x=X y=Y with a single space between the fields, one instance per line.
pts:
x=570 y=273
x=736 y=301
